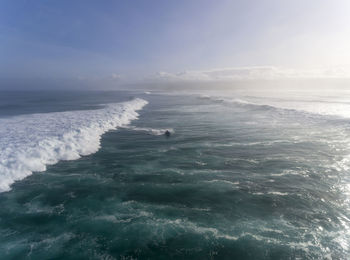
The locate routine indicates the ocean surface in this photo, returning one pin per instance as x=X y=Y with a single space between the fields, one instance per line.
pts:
x=91 y=175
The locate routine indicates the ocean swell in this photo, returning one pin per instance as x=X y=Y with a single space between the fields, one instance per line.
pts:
x=29 y=143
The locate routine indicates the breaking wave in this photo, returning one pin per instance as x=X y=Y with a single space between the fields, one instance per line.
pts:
x=306 y=106
x=31 y=142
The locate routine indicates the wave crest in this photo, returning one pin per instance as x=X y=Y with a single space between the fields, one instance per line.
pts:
x=29 y=143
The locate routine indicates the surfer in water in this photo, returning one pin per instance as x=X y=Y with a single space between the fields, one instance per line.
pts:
x=167 y=133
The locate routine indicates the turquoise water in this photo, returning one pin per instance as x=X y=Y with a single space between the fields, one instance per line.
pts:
x=235 y=180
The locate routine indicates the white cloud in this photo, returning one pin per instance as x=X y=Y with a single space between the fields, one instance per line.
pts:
x=115 y=76
x=253 y=73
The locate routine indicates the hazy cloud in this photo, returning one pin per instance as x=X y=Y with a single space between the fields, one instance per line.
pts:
x=116 y=76
x=252 y=73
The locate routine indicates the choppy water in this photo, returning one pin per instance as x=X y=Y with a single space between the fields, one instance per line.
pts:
x=239 y=178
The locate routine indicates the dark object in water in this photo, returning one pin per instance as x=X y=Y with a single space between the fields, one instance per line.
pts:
x=167 y=133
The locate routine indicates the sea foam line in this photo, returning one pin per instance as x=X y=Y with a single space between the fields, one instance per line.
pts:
x=31 y=142
x=152 y=131
x=310 y=106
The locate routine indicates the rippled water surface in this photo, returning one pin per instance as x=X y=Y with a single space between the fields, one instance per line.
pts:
x=236 y=179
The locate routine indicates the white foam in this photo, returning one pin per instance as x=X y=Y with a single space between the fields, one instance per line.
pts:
x=152 y=131
x=278 y=193
x=286 y=172
x=271 y=193
x=311 y=104
x=188 y=225
x=31 y=142
x=224 y=182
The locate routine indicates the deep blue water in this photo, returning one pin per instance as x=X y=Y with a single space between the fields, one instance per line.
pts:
x=235 y=180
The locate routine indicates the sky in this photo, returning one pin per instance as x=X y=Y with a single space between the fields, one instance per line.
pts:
x=173 y=40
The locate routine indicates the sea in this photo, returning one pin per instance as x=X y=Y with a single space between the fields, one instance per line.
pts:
x=243 y=175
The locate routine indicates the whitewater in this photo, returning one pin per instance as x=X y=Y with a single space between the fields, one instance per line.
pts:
x=315 y=106
x=29 y=143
